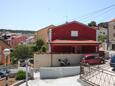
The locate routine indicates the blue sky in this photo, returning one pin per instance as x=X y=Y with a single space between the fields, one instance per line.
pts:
x=36 y=14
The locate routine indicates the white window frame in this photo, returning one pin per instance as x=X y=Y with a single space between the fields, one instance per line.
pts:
x=74 y=33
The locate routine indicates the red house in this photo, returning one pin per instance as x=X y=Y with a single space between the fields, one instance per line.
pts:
x=72 y=37
x=15 y=40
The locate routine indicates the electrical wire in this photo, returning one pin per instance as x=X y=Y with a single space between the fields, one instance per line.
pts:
x=95 y=12
x=99 y=15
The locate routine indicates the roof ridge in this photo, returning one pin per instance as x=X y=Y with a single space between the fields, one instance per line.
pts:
x=73 y=22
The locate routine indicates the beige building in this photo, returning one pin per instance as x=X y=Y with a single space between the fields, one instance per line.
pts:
x=43 y=33
x=111 y=27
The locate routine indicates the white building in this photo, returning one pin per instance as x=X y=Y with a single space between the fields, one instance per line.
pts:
x=101 y=31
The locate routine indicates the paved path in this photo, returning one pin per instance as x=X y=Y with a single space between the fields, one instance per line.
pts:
x=66 y=81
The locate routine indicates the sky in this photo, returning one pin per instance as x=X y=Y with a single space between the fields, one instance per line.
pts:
x=36 y=14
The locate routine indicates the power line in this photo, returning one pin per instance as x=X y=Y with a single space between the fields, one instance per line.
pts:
x=95 y=12
x=99 y=15
x=105 y=17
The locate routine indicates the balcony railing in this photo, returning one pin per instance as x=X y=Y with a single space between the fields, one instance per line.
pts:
x=96 y=75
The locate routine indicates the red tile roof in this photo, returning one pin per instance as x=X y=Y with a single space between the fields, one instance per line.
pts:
x=113 y=20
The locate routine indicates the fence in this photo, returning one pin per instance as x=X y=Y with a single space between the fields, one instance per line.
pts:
x=96 y=76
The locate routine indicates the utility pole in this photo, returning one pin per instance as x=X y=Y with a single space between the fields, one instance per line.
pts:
x=26 y=72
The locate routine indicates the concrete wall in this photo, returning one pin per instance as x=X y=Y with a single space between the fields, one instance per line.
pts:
x=42 y=60
x=57 y=72
x=74 y=59
x=47 y=60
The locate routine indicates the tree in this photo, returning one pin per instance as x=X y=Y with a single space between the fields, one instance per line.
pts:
x=92 y=23
x=102 y=38
x=21 y=52
x=44 y=49
x=40 y=46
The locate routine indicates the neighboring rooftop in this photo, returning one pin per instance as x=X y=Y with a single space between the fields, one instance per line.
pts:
x=113 y=20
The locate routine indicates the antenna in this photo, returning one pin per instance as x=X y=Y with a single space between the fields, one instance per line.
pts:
x=66 y=18
x=66 y=15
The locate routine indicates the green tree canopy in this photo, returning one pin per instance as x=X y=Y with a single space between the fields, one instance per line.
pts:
x=92 y=23
x=40 y=46
x=102 y=38
x=21 y=52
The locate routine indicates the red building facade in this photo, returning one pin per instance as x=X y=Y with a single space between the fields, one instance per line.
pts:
x=73 y=37
x=16 y=40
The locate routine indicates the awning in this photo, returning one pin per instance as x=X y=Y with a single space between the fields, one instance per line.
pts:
x=74 y=42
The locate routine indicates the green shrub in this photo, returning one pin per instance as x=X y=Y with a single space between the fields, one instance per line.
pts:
x=44 y=49
x=20 y=75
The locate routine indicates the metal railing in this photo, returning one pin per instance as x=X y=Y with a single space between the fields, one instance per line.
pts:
x=96 y=75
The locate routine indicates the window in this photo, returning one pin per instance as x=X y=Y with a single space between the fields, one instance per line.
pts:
x=74 y=33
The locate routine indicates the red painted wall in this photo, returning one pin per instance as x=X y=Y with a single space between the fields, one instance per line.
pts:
x=64 y=32
x=62 y=49
x=16 y=40
x=70 y=49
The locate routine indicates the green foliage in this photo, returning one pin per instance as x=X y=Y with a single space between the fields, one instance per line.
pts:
x=40 y=46
x=92 y=23
x=102 y=38
x=20 y=75
x=22 y=52
x=44 y=49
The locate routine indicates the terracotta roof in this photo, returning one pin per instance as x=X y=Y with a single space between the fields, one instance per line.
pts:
x=74 y=42
x=113 y=20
